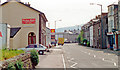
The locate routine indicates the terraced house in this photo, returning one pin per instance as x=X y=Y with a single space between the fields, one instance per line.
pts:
x=112 y=26
x=28 y=25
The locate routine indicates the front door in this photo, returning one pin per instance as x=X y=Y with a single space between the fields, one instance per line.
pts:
x=31 y=38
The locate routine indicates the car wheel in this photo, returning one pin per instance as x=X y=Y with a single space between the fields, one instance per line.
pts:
x=41 y=52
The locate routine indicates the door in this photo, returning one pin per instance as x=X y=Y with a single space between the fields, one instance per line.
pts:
x=31 y=38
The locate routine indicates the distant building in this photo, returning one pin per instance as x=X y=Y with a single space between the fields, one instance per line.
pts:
x=86 y=31
x=48 y=36
x=68 y=35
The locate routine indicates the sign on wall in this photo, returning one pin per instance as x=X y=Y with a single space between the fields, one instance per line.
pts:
x=0 y=34
x=28 y=21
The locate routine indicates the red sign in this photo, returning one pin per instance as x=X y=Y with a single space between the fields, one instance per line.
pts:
x=0 y=34
x=52 y=30
x=28 y=21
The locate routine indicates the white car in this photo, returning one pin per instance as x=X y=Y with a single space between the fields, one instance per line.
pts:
x=38 y=47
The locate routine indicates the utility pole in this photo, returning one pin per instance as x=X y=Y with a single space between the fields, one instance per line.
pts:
x=101 y=22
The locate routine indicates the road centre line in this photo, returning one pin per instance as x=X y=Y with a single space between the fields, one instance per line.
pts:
x=64 y=62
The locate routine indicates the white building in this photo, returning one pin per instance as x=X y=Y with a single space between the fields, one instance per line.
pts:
x=48 y=36
x=4 y=35
x=91 y=36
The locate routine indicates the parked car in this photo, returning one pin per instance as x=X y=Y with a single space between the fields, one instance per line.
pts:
x=41 y=46
x=38 y=47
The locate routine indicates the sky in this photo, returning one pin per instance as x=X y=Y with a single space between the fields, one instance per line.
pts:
x=70 y=12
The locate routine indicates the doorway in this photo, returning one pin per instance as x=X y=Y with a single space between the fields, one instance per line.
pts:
x=31 y=38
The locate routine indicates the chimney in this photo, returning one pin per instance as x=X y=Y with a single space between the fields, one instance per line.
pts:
x=28 y=4
x=14 y=0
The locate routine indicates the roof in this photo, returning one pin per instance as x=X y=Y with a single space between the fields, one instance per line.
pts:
x=43 y=15
x=13 y=31
x=113 y=5
x=48 y=28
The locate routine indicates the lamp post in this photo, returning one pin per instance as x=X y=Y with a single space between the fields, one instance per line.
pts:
x=55 y=29
x=55 y=23
x=101 y=21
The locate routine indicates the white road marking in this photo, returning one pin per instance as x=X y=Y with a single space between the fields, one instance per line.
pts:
x=71 y=59
x=94 y=56
x=103 y=59
x=64 y=62
x=109 y=54
x=115 y=64
x=74 y=65
x=89 y=53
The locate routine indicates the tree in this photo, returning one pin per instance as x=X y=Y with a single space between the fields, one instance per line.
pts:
x=81 y=34
x=80 y=37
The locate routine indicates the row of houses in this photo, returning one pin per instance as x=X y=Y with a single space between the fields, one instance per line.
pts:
x=70 y=36
x=27 y=24
x=103 y=31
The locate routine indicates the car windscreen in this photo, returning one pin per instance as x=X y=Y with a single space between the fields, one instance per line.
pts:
x=40 y=46
x=32 y=46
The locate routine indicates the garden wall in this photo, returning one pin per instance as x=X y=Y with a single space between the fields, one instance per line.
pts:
x=25 y=58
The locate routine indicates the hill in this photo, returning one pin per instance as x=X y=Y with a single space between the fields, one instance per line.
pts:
x=68 y=28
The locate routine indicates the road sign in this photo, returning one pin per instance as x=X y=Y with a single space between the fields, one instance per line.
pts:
x=52 y=30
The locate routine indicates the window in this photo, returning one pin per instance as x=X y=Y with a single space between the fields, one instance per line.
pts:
x=99 y=32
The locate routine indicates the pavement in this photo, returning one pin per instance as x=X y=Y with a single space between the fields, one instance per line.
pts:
x=73 y=56
x=52 y=59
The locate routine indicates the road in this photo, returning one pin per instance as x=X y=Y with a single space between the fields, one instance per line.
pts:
x=76 y=56
x=86 y=57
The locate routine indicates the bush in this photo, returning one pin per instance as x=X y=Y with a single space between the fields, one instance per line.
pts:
x=78 y=39
x=85 y=42
x=10 y=67
x=19 y=65
x=34 y=58
x=88 y=44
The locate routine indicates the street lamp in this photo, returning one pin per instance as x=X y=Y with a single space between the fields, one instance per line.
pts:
x=55 y=28
x=101 y=20
x=55 y=23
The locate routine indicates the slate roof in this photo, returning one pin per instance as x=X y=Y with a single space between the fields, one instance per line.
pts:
x=29 y=7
